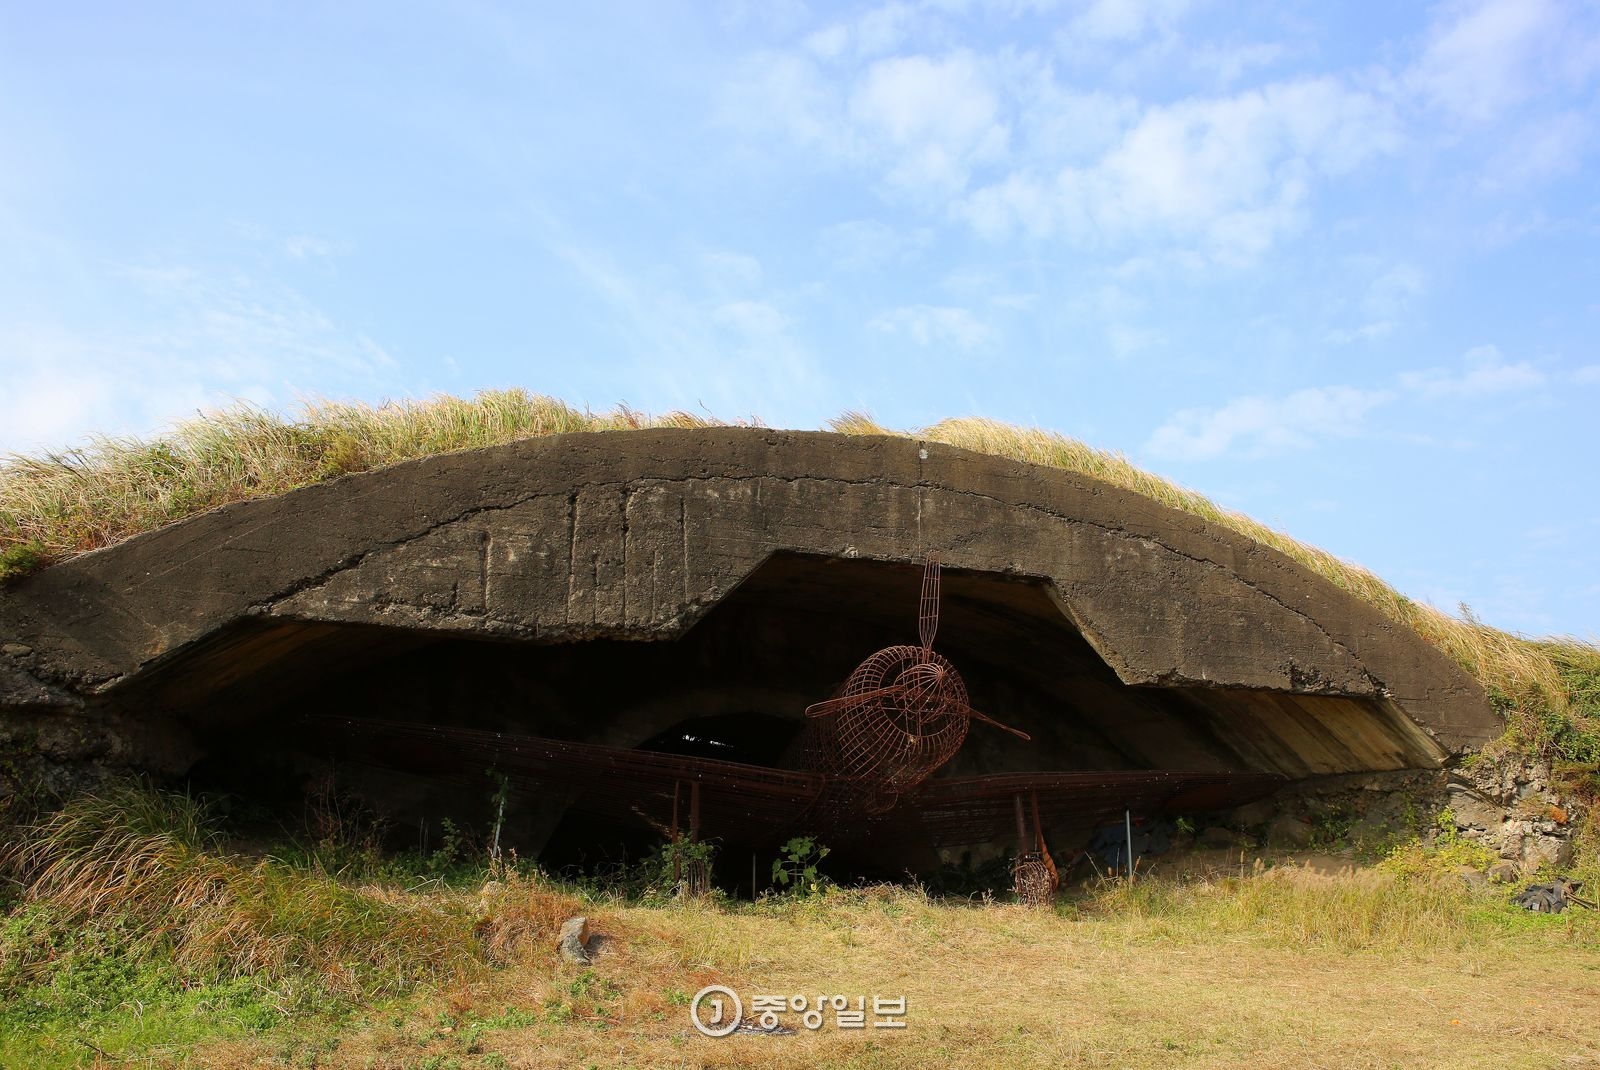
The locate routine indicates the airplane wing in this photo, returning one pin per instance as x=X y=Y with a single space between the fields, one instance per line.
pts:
x=620 y=782
x=757 y=802
x=958 y=811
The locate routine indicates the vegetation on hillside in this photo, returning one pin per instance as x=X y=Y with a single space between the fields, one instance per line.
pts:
x=56 y=505
x=137 y=934
x=126 y=917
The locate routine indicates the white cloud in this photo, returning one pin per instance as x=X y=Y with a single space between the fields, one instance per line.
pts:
x=1261 y=425
x=1587 y=375
x=1544 y=147
x=940 y=117
x=883 y=29
x=245 y=326
x=877 y=32
x=1483 y=59
x=1387 y=299
x=829 y=43
x=934 y=325
x=1056 y=123
x=998 y=140
x=58 y=389
x=1233 y=172
x=1126 y=20
x=1224 y=65
x=1486 y=373
x=773 y=92
x=1392 y=293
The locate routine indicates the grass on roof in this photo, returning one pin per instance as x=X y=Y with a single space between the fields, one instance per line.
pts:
x=56 y=505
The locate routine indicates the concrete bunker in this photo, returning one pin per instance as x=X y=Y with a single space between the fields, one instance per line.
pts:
x=696 y=590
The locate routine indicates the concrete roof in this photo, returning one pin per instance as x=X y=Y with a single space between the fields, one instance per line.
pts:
x=637 y=534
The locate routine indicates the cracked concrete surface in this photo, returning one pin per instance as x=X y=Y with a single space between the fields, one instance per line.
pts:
x=636 y=535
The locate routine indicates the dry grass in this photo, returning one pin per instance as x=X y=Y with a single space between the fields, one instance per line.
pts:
x=142 y=868
x=519 y=918
x=56 y=505
x=1397 y=967
x=1282 y=968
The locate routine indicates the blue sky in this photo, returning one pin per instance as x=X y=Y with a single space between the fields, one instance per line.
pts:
x=1337 y=266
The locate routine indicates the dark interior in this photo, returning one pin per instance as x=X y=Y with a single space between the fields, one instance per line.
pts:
x=734 y=686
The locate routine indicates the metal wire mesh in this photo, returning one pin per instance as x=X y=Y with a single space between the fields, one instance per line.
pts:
x=899 y=716
x=1034 y=878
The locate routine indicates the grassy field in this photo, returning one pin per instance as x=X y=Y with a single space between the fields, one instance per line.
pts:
x=139 y=941
x=133 y=934
x=56 y=505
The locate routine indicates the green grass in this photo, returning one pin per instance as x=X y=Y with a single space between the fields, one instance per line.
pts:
x=57 y=505
x=100 y=995
x=133 y=928
x=141 y=874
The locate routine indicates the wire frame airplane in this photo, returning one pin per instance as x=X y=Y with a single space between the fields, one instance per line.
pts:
x=861 y=771
x=898 y=717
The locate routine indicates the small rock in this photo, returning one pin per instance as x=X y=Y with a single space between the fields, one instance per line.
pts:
x=1471 y=810
x=16 y=650
x=574 y=943
x=1472 y=876
x=1505 y=873
x=1546 y=851
x=1217 y=837
x=1288 y=832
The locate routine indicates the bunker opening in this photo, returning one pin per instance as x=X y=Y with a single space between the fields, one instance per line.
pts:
x=261 y=702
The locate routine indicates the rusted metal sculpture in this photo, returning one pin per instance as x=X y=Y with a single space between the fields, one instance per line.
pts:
x=861 y=772
x=902 y=714
x=1033 y=871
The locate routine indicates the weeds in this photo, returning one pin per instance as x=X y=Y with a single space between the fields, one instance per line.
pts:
x=107 y=951
x=55 y=505
x=143 y=871
x=1407 y=905
x=135 y=927
x=795 y=869
x=519 y=916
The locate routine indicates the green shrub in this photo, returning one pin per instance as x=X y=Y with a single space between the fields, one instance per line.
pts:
x=795 y=870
